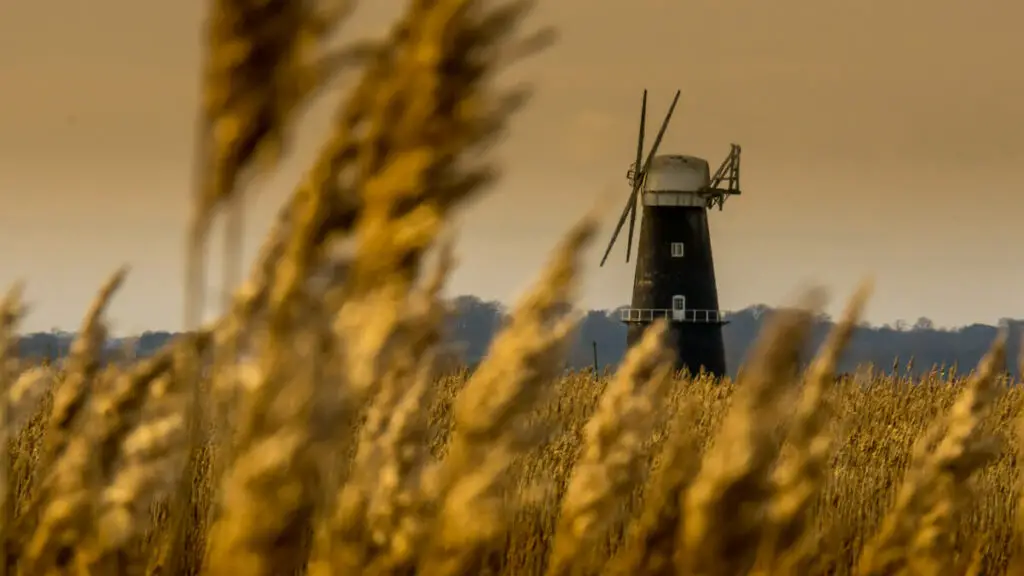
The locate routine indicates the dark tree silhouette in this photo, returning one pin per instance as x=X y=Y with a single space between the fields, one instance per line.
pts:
x=474 y=322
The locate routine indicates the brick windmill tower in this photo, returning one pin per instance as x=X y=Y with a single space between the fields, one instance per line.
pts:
x=675 y=271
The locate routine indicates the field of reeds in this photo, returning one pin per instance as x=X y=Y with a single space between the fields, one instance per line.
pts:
x=319 y=427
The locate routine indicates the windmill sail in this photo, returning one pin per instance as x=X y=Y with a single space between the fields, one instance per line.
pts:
x=639 y=157
x=639 y=176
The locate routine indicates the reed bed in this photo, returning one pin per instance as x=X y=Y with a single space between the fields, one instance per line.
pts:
x=619 y=481
x=321 y=425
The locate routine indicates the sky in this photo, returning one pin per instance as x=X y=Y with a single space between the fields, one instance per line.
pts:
x=880 y=139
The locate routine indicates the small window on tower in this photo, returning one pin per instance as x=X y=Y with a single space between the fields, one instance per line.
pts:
x=677 y=250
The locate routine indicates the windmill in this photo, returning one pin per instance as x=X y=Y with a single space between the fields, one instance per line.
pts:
x=675 y=271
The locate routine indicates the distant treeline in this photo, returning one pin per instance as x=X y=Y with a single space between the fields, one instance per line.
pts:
x=475 y=321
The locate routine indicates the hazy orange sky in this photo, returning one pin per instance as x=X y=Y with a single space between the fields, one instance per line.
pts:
x=879 y=137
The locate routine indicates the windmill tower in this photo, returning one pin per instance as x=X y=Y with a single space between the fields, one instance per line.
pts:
x=675 y=271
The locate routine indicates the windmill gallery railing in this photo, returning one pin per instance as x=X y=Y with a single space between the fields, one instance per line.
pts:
x=652 y=314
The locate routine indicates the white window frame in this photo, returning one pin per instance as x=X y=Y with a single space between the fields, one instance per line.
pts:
x=678 y=249
x=679 y=307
